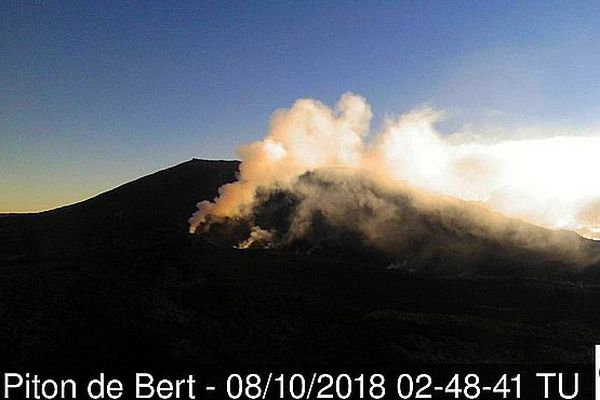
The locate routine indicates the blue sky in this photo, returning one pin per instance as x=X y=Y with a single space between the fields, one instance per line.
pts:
x=93 y=94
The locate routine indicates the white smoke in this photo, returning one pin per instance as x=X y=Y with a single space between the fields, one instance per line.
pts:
x=553 y=182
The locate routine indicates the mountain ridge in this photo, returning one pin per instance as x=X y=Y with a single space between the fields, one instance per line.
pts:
x=163 y=200
x=116 y=281
x=135 y=212
x=119 y=186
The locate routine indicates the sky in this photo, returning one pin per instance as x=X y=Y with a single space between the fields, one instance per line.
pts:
x=94 y=94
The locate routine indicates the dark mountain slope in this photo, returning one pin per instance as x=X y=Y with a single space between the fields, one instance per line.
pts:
x=129 y=215
x=350 y=217
x=117 y=280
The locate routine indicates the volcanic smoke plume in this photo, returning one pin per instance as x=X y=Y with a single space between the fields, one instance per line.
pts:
x=318 y=167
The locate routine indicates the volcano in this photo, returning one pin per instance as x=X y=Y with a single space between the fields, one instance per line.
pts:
x=118 y=278
x=347 y=216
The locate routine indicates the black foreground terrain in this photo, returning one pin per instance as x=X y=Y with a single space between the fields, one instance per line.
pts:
x=117 y=279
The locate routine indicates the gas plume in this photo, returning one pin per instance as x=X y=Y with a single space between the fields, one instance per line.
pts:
x=322 y=159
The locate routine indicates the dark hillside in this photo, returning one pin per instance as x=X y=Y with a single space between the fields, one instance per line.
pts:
x=157 y=204
x=116 y=279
